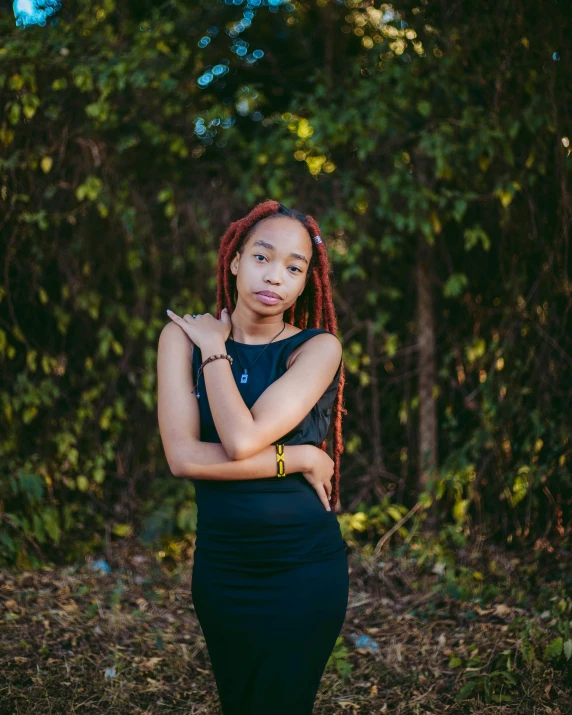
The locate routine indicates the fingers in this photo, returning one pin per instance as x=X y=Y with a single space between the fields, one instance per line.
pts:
x=323 y=497
x=328 y=487
x=176 y=319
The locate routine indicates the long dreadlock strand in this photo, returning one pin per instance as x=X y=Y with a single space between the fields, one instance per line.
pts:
x=324 y=309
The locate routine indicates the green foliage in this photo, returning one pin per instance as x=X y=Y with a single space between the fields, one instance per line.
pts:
x=119 y=173
x=488 y=590
x=338 y=659
x=366 y=523
x=494 y=678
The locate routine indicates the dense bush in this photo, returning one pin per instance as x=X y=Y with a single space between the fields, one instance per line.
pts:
x=432 y=144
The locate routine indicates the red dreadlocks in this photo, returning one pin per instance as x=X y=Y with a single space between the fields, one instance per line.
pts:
x=313 y=309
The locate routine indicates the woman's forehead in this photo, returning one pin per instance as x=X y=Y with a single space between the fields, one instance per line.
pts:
x=281 y=232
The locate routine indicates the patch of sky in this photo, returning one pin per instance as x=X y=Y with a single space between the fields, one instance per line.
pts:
x=34 y=12
x=389 y=14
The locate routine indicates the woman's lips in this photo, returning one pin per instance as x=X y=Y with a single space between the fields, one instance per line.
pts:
x=269 y=300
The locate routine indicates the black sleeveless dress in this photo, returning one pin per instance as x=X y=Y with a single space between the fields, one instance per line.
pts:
x=270 y=580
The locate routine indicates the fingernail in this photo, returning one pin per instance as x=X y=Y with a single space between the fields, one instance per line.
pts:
x=329 y=509
x=168 y=311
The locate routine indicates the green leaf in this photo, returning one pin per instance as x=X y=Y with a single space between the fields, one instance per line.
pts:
x=90 y=189
x=98 y=110
x=425 y=499
x=474 y=235
x=459 y=210
x=14 y=111
x=30 y=103
x=455 y=284
x=554 y=649
x=394 y=512
x=164 y=195
x=466 y=691
x=51 y=523
x=460 y=510
x=82 y=78
x=122 y=530
x=29 y=485
x=187 y=517
x=46 y=164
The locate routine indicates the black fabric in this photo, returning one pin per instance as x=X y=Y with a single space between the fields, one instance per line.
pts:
x=270 y=578
x=269 y=367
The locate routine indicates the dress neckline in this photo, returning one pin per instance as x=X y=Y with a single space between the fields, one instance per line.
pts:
x=261 y=345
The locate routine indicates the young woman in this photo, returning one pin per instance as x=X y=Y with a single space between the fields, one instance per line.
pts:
x=245 y=402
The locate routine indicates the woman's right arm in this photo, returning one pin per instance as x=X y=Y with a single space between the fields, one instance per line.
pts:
x=179 y=424
x=209 y=460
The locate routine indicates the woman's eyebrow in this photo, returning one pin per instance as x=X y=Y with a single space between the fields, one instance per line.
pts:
x=264 y=244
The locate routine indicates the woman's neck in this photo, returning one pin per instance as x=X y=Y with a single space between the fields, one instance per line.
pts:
x=253 y=329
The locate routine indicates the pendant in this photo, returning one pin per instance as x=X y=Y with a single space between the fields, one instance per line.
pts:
x=244 y=377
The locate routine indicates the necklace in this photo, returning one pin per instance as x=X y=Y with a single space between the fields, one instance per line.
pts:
x=244 y=376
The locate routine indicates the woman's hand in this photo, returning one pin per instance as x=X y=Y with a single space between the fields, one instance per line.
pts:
x=320 y=473
x=205 y=327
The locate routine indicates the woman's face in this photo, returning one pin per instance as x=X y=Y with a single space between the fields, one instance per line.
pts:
x=275 y=258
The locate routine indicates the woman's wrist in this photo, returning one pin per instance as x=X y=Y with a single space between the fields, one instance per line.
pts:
x=298 y=457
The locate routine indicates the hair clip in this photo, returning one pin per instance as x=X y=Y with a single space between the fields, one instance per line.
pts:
x=317 y=239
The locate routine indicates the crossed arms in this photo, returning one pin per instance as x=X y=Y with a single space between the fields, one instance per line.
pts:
x=246 y=450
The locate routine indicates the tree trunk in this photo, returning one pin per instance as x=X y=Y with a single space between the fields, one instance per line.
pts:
x=427 y=384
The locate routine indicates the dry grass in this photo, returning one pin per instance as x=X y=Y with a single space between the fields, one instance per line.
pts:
x=75 y=641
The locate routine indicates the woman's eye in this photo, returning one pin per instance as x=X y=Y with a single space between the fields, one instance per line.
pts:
x=259 y=255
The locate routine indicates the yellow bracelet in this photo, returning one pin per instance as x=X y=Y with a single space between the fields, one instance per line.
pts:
x=281 y=471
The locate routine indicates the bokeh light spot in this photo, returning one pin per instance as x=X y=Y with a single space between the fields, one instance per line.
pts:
x=34 y=12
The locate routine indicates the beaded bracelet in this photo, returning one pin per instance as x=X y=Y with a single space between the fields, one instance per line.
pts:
x=212 y=357
x=281 y=470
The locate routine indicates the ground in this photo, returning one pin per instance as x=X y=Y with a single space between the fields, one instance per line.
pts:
x=74 y=639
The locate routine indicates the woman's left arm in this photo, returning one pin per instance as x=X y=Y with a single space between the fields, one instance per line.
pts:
x=283 y=404
x=244 y=432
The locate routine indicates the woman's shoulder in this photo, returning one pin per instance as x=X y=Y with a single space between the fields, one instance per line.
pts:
x=325 y=336
x=173 y=335
x=316 y=340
